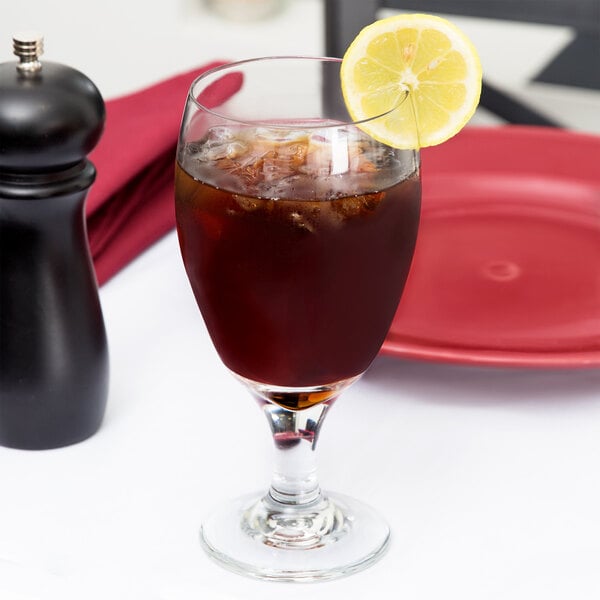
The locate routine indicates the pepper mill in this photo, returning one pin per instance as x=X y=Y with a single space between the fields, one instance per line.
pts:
x=53 y=348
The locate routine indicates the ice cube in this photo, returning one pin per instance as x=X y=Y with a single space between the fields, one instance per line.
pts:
x=221 y=133
x=219 y=143
x=280 y=135
x=301 y=221
x=247 y=203
x=219 y=150
x=286 y=187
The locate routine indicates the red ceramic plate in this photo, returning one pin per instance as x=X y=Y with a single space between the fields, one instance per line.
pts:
x=507 y=265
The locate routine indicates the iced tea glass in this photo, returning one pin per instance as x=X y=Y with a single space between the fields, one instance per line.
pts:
x=297 y=232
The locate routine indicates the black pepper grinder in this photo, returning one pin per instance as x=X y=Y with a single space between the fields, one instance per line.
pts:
x=53 y=348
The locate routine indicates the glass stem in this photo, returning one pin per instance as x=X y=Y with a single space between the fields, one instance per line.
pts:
x=295 y=433
x=294 y=514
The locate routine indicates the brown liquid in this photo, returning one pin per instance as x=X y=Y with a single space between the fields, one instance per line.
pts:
x=296 y=292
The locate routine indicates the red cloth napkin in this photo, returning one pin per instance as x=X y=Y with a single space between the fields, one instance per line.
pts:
x=131 y=203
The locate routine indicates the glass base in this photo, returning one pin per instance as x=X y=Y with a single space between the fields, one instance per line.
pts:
x=326 y=539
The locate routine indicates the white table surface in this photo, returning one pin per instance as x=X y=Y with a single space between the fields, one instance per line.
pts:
x=489 y=477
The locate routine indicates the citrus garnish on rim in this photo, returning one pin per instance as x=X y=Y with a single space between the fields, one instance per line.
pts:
x=425 y=55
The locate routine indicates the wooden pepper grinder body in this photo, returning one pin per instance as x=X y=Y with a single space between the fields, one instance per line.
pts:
x=53 y=347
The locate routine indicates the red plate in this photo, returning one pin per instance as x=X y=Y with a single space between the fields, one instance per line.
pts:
x=507 y=265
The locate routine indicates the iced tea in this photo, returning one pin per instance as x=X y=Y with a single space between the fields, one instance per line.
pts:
x=297 y=252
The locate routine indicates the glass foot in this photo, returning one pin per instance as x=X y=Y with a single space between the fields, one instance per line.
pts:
x=329 y=538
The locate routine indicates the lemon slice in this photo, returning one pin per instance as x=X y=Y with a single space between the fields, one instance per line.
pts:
x=425 y=55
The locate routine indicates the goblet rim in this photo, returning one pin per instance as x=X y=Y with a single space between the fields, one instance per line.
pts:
x=191 y=97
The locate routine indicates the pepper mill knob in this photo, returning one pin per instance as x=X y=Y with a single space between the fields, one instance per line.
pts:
x=51 y=115
x=28 y=46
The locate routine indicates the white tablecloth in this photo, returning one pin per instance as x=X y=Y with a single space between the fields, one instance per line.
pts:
x=489 y=477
